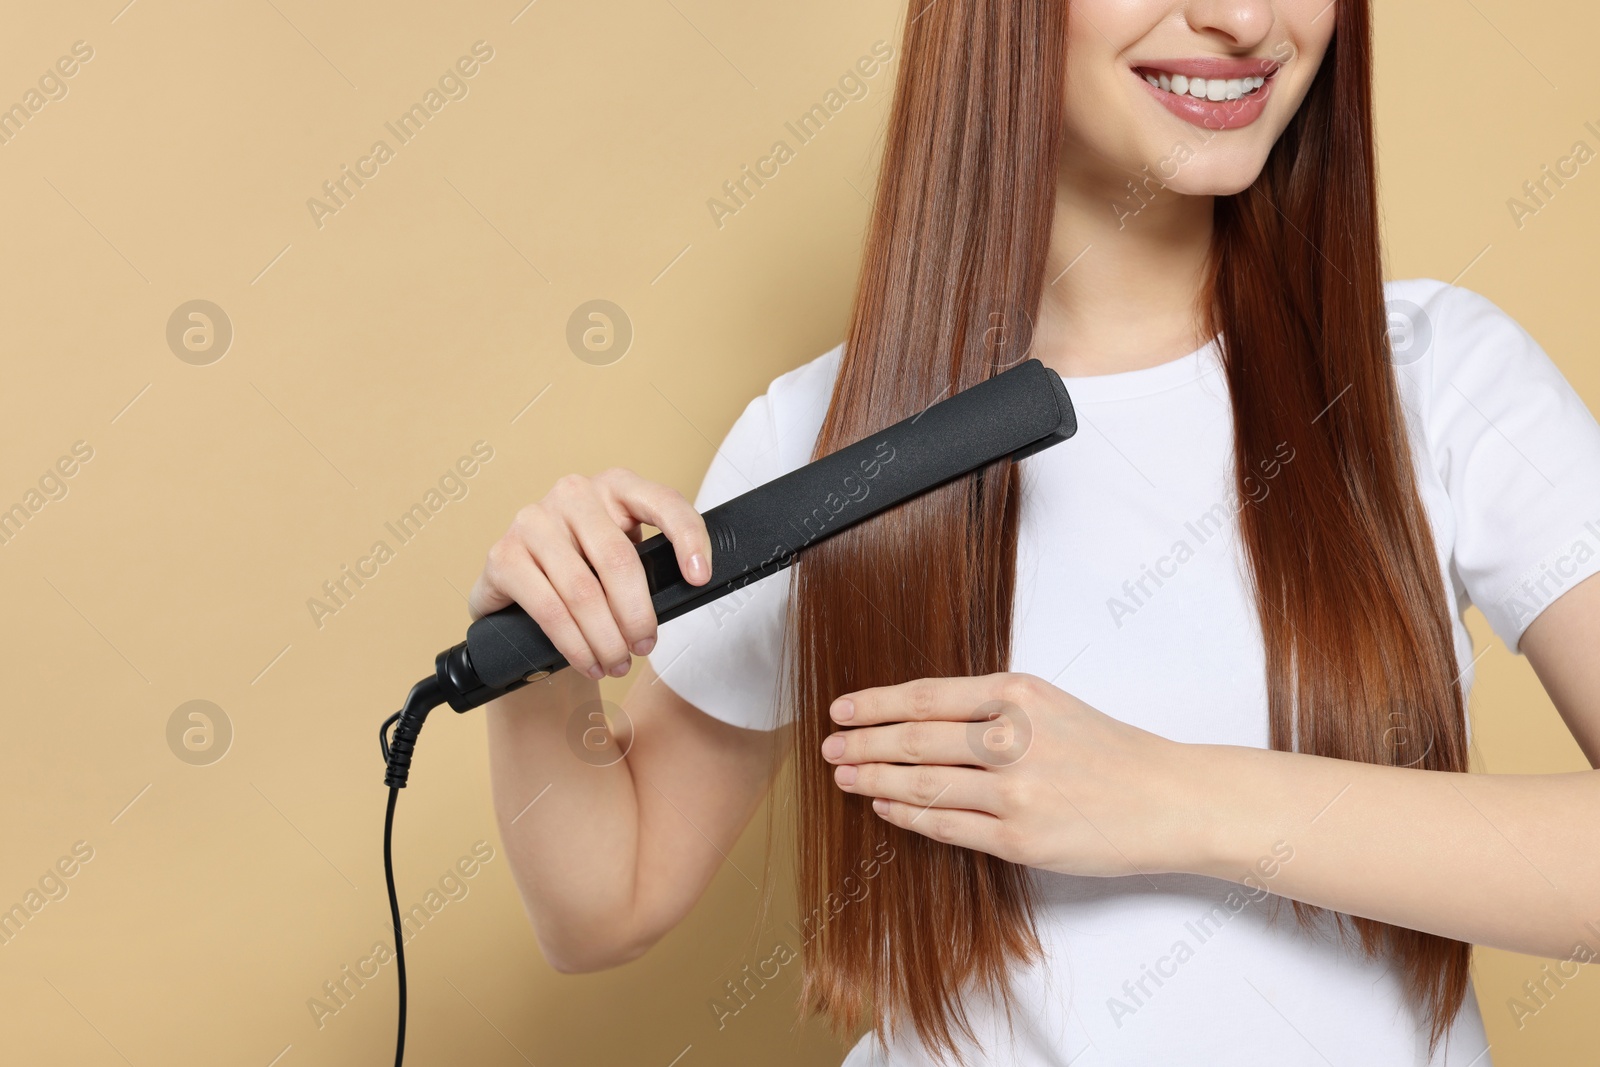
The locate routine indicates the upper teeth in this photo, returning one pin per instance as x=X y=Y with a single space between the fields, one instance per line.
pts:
x=1206 y=88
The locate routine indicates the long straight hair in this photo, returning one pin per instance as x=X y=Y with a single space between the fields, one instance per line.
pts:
x=1360 y=662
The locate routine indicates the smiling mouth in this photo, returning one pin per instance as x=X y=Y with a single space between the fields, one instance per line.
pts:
x=1203 y=88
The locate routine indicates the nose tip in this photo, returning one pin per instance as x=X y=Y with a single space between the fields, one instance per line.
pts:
x=1242 y=23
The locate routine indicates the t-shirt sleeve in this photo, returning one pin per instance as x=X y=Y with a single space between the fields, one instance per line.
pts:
x=725 y=657
x=1519 y=453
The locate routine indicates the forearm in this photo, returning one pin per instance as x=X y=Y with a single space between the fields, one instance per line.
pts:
x=1503 y=860
x=569 y=825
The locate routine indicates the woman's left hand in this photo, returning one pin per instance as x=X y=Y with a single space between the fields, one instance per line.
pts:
x=1010 y=765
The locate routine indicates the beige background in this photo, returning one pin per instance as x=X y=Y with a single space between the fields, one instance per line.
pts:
x=425 y=315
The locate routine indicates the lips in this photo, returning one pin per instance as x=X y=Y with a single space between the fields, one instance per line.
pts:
x=1217 y=94
x=1211 y=67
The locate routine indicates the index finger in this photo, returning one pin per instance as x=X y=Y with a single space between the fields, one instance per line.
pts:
x=967 y=699
x=668 y=511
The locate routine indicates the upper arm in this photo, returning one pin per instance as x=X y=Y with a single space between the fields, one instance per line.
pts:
x=698 y=781
x=1561 y=646
x=1518 y=453
x=705 y=747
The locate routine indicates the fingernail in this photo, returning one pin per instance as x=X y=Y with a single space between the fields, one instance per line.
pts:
x=833 y=747
x=619 y=669
x=880 y=805
x=843 y=709
x=596 y=672
x=643 y=646
x=846 y=775
x=698 y=568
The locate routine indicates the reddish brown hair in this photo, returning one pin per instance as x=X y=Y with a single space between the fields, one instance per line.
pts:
x=1359 y=654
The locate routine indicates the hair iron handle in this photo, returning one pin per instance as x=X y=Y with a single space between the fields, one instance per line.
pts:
x=1012 y=415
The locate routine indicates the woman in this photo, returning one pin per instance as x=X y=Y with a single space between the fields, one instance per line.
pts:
x=1066 y=732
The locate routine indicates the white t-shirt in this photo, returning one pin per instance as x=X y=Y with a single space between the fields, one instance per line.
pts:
x=1131 y=596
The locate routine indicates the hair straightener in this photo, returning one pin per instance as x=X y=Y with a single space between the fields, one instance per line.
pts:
x=1010 y=416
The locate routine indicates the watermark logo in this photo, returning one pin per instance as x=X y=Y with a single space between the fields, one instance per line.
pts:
x=1008 y=339
x=599 y=332
x=199 y=332
x=1410 y=332
x=1408 y=742
x=199 y=732
x=1002 y=736
x=593 y=729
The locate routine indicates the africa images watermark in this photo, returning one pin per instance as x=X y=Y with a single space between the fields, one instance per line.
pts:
x=50 y=87
x=740 y=994
x=51 y=486
x=1539 y=992
x=1215 y=520
x=1537 y=193
x=52 y=885
x=1137 y=992
x=1555 y=574
x=453 y=885
x=451 y=85
x=852 y=489
x=852 y=86
x=340 y=590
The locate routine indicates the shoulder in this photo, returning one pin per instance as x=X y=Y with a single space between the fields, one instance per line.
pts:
x=1441 y=324
x=1452 y=346
x=1434 y=320
x=797 y=402
x=805 y=383
x=1489 y=402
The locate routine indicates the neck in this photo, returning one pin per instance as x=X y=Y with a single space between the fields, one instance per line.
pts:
x=1123 y=277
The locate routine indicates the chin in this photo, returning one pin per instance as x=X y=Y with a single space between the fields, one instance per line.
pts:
x=1222 y=174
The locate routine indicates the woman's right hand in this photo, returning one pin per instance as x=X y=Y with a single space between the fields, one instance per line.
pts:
x=570 y=561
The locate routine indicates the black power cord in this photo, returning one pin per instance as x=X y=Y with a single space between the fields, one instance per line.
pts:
x=394 y=912
x=423 y=698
